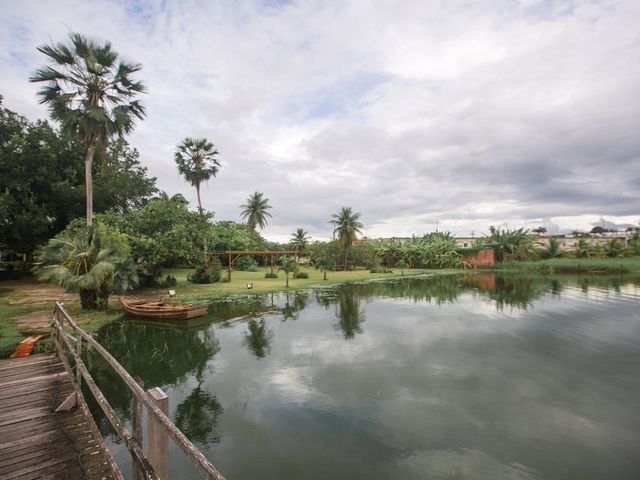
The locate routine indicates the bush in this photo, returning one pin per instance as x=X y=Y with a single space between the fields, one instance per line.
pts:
x=207 y=274
x=246 y=264
x=270 y=275
x=169 y=281
x=301 y=275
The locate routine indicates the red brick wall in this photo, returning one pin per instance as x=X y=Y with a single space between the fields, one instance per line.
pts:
x=482 y=258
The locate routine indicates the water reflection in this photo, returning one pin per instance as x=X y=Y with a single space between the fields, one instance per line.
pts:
x=197 y=416
x=348 y=313
x=257 y=338
x=465 y=376
x=159 y=355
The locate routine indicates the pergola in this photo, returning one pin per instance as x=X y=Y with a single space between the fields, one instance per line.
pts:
x=233 y=255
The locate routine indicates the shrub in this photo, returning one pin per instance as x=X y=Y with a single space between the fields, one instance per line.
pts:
x=246 y=264
x=169 y=281
x=301 y=275
x=270 y=275
x=206 y=274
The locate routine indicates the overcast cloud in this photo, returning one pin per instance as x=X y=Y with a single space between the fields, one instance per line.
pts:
x=415 y=113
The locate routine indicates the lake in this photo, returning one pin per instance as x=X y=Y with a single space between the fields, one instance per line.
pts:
x=451 y=377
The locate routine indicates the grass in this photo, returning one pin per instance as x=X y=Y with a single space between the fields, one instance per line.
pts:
x=189 y=292
x=575 y=265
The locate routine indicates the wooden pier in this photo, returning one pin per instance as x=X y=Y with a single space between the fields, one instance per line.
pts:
x=46 y=428
x=37 y=442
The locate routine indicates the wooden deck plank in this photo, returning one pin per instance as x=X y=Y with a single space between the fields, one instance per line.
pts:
x=36 y=442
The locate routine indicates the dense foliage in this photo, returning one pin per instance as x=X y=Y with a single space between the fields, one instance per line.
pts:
x=42 y=186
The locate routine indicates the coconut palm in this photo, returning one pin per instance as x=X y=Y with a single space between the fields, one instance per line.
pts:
x=91 y=93
x=256 y=211
x=346 y=227
x=300 y=240
x=197 y=162
x=91 y=261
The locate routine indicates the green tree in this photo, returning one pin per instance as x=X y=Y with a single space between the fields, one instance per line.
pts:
x=255 y=211
x=346 y=225
x=91 y=94
x=95 y=261
x=197 y=162
x=287 y=266
x=324 y=257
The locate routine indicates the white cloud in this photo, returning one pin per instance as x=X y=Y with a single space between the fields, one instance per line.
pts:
x=468 y=114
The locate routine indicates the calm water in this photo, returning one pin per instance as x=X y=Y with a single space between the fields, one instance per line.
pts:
x=476 y=377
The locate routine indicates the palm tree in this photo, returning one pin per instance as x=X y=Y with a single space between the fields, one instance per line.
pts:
x=346 y=226
x=255 y=210
x=300 y=240
x=92 y=261
x=197 y=162
x=287 y=266
x=91 y=94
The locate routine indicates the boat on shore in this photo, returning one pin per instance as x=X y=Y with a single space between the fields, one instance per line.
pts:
x=159 y=309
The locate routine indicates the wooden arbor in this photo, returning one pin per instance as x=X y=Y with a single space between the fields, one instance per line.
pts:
x=233 y=255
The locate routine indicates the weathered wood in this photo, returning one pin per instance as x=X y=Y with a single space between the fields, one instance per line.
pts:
x=202 y=464
x=157 y=437
x=35 y=442
x=70 y=402
x=132 y=445
x=136 y=426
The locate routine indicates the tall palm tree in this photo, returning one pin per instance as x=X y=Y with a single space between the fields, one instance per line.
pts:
x=346 y=227
x=255 y=210
x=300 y=240
x=197 y=162
x=90 y=92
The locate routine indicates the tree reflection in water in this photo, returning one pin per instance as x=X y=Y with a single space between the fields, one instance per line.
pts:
x=258 y=337
x=348 y=312
x=197 y=416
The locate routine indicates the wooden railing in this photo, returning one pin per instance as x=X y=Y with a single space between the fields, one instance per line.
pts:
x=160 y=427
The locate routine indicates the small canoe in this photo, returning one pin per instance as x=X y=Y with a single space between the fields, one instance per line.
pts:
x=161 y=310
x=25 y=346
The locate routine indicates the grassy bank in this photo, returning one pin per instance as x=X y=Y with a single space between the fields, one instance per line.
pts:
x=13 y=294
x=189 y=292
x=574 y=265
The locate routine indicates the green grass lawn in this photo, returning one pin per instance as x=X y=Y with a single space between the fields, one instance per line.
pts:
x=189 y=292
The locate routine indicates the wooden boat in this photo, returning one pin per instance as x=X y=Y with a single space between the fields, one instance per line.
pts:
x=161 y=310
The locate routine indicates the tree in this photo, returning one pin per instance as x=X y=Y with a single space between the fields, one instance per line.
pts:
x=94 y=260
x=41 y=181
x=540 y=230
x=91 y=94
x=300 y=240
x=197 y=162
x=287 y=266
x=256 y=211
x=346 y=227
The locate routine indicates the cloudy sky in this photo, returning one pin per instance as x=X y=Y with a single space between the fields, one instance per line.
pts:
x=418 y=114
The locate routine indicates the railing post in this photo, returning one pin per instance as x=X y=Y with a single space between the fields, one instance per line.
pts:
x=158 y=438
x=79 y=352
x=136 y=426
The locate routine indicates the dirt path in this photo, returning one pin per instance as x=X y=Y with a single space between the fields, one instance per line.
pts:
x=33 y=322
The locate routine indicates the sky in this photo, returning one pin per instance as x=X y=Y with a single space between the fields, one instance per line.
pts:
x=420 y=115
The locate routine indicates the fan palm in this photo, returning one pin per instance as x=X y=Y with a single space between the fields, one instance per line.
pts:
x=346 y=227
x=256 y=210
x=197 y=162
x=90 y=92
x=91 y=262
